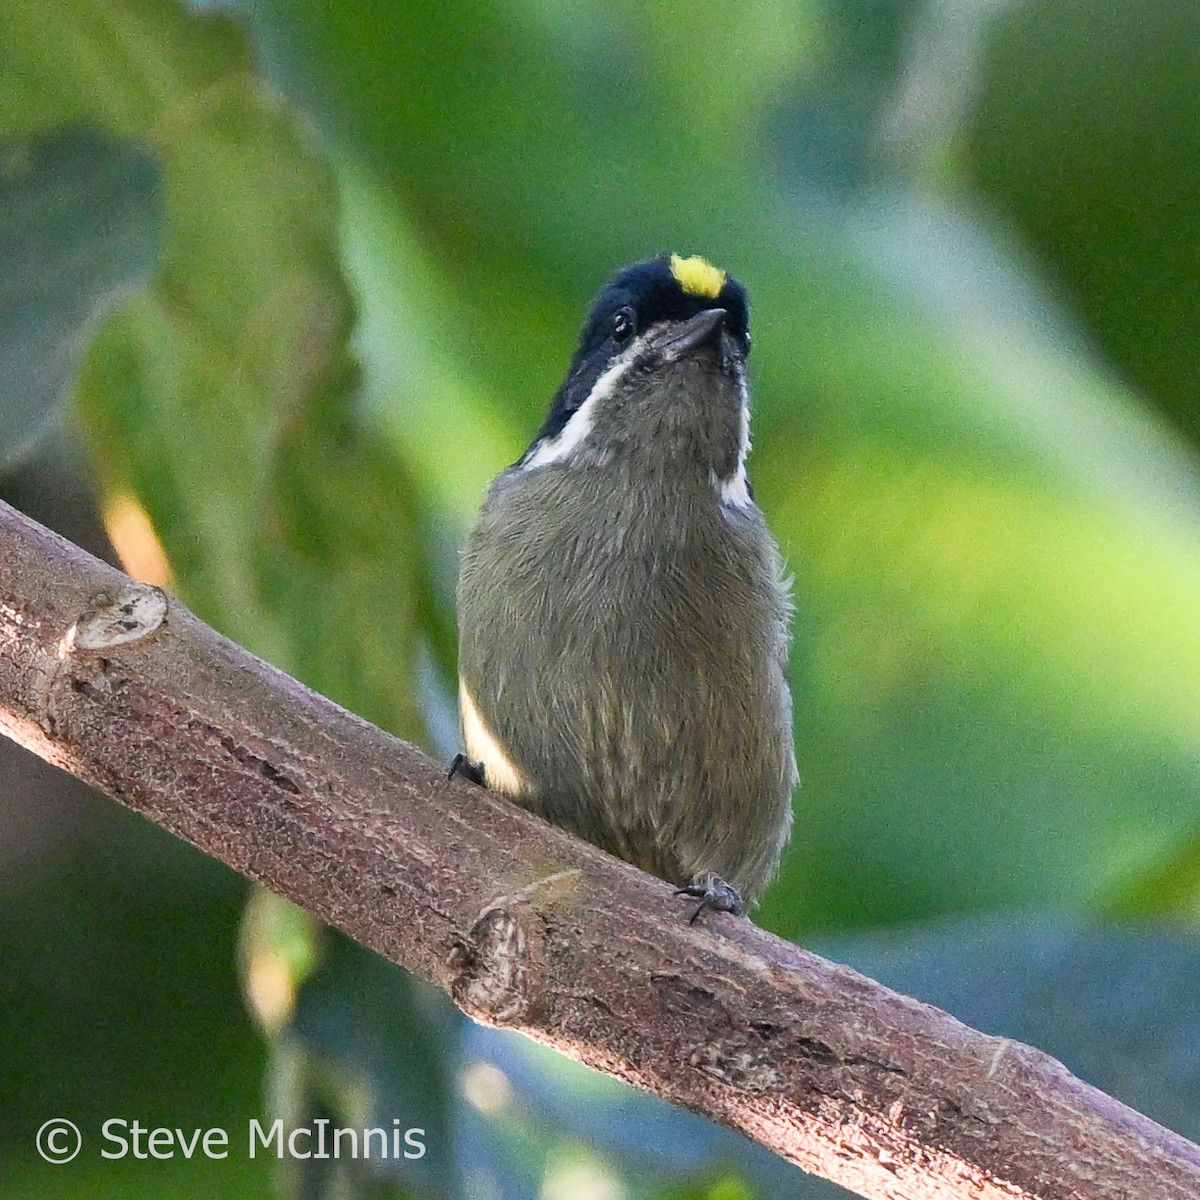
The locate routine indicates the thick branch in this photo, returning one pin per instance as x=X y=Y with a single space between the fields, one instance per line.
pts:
x=531 y=929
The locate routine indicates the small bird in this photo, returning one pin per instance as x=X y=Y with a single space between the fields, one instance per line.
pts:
x=623 y=621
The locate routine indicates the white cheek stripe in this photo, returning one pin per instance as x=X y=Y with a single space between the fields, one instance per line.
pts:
x=499 y=770
x=734 y=492
x=574 y=433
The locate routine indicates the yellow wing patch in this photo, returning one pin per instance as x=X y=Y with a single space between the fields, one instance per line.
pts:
x=697 y=276
x=482 y=746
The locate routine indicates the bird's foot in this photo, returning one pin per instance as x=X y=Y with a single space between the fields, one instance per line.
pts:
x=713 y=892
x=468 y=768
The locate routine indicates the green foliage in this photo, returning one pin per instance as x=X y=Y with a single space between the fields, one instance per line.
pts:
x=339 y=1053
x=119 y=999
x=1115 y=218
x=380 y=226
x=221 y=395
x=79 y=228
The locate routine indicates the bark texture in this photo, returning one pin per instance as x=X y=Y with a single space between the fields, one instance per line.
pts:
x=528 y=928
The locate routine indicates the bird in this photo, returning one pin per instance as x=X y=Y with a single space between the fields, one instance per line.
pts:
x=623 y=612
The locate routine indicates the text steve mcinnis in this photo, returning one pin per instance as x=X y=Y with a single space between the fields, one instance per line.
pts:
x=321 y=1138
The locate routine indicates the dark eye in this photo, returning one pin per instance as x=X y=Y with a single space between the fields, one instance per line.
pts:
x=624 y=325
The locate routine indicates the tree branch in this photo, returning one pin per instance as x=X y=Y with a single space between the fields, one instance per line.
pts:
x=531 y=929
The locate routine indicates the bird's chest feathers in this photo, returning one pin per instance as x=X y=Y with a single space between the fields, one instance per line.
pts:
x=592 y=549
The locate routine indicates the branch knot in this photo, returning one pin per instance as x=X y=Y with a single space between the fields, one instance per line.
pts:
x=490 y=979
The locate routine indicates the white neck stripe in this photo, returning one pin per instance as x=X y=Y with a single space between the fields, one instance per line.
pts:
x=733 y=492
x=574 y=433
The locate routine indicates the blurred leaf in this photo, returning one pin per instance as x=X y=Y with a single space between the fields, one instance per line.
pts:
x=998 y=585
x=222 y=397
x=78 y=227
x=561 y=138
x=524 y=1109
x=1086 y=135
x=829 y=127
x=358 y=1043
x=1171 y=887
x=119 y=999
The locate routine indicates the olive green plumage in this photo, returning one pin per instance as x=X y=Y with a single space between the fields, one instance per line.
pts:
x=623 y=623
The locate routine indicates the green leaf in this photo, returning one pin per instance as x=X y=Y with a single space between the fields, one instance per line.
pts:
x=1085 y=136
x=119 y=1000
x=358 y=1043
x=223 y=397
x=79 y=226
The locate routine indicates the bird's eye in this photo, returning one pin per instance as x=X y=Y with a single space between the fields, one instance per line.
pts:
x=623 y=324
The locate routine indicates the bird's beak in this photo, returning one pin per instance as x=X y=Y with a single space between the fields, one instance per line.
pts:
x=672 y=345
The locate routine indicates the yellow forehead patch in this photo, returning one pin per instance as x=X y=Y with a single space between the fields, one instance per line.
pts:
x=697 y=276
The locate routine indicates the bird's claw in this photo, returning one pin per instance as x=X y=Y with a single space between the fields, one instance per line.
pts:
x=468 y=768
x=713 y=892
